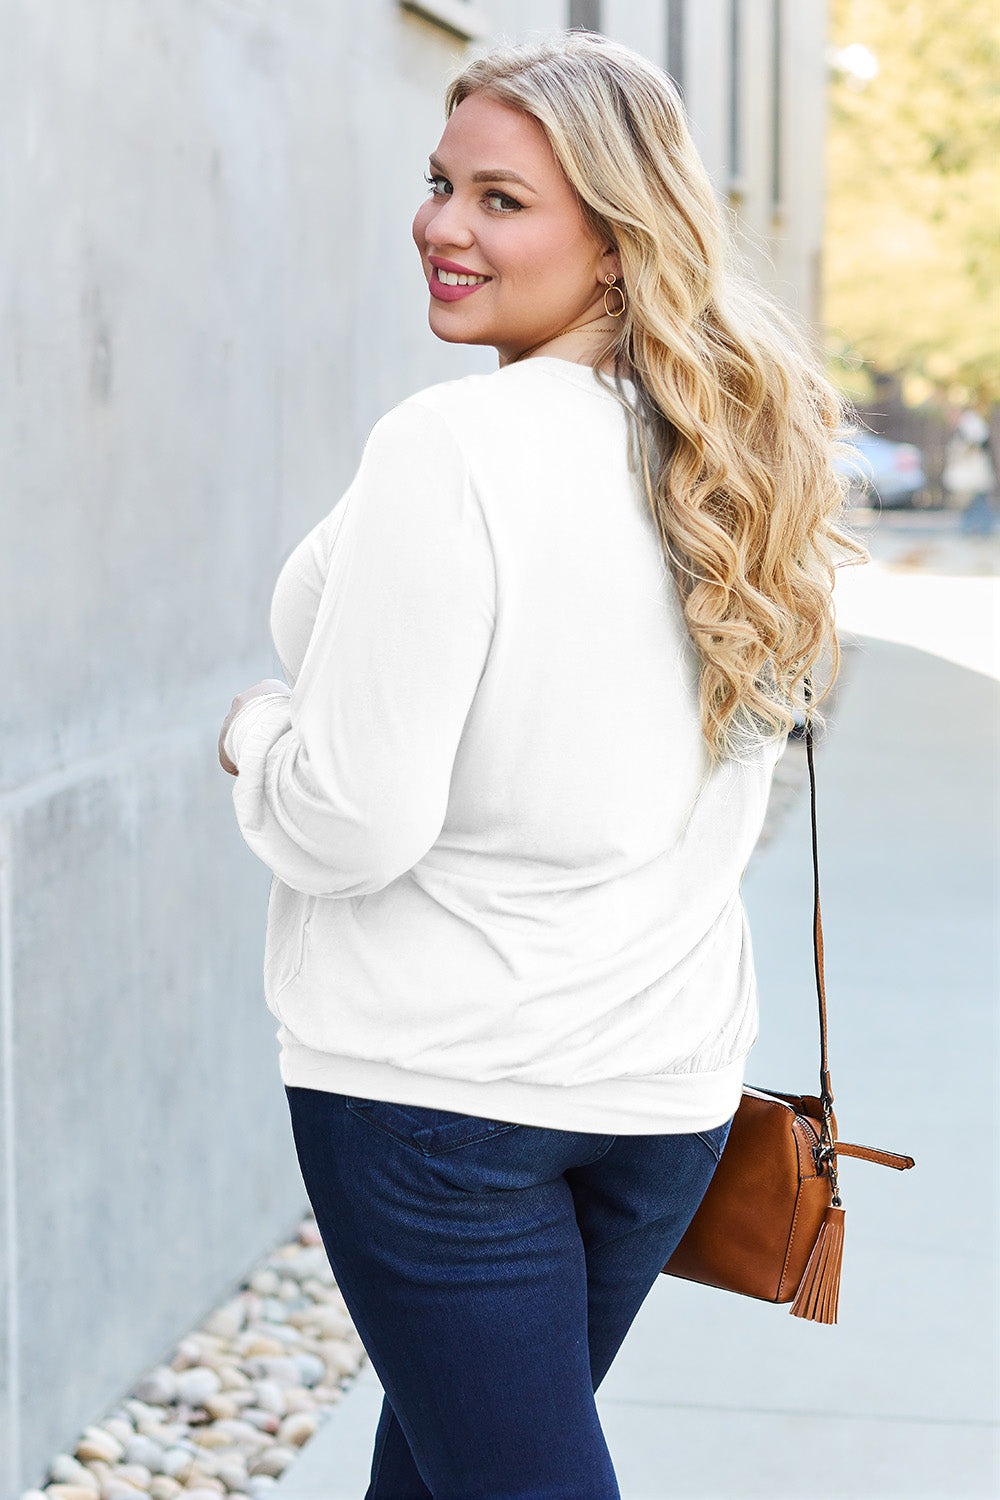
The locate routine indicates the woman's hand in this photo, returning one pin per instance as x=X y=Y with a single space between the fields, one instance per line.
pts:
x=259 y=690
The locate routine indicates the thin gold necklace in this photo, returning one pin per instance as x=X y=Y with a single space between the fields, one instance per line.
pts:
x=573 y=328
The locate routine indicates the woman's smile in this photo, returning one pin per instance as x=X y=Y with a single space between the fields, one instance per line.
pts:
x=449 y=281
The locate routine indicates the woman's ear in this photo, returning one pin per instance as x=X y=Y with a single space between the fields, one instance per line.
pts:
x=611 y=262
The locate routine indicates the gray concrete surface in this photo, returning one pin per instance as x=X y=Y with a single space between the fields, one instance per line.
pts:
x=713 y=1397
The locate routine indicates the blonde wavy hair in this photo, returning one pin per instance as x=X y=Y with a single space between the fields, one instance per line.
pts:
x=735 y=428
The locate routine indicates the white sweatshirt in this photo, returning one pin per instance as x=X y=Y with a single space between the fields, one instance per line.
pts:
x=506 y=880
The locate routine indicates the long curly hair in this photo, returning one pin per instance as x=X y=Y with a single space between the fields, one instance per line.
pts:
x=735 y=427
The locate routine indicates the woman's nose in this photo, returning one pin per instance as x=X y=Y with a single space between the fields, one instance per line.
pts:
x=448 y=226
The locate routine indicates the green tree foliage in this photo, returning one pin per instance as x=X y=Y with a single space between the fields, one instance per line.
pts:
x=912 y=259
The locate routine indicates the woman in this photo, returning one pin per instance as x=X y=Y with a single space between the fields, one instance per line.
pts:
x=542 y=659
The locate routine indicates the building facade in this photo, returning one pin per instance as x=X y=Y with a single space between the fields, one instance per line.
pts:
x=209 y=294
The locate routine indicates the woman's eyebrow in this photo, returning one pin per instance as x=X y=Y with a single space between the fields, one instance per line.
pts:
x=487 y=174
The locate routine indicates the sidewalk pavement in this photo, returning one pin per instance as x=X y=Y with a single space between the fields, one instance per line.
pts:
x=717 y=1397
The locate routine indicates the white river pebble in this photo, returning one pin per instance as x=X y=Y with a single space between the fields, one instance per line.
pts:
x=137 y=1474
x=209 y=1437
x=274 y=1460
x=264 y=1283
x=287 y=1336
x=220 y=1406
x=159 y=1387
x=141 y=1449
x=327 y=1395
x=120 y=1426
x=331 y=1322
x=65 y=1469
x=228 y=1321
x=233 y=1473
x=162 y=1487
x=189 y=1351
x=321 y=1291
x=144 y=1411
x=310 y=1262
x=96 y=1443
x=203 y=1477
x=177 y=1463
x=264 y=1421
x=270 y=1397
x=297 y=1428
x=252 y=1342
x=241 y=1434
x=281 y=1368
x=163 y=1434
x=311 y=1368
x=341 y=1359
x=114 y=1488
x=298 y=1399
x=195 y=1384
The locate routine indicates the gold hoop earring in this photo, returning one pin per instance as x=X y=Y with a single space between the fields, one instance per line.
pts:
x=611 y=278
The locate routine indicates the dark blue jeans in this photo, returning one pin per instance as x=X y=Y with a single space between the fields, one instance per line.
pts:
x=492 y=1271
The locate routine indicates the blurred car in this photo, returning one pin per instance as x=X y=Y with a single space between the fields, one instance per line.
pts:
x=882 y=471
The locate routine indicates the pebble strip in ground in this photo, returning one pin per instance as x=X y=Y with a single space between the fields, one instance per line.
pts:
x=238 y=1400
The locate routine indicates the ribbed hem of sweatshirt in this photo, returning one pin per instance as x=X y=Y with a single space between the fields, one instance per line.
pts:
x=671 y=1104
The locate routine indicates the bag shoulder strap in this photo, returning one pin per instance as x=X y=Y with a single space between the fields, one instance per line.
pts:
x=829 y=1147
x=825 y=1086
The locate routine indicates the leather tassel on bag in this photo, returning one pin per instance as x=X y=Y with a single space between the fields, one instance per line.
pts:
x=819 y=1289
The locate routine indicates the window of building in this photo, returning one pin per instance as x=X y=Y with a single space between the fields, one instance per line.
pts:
x=459 y=18
x=735 y=143
x=777 y=134
x=585 y=15
x=675 y=41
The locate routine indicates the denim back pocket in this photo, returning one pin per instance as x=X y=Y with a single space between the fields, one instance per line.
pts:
x=716 y=1138
x=430 y=1131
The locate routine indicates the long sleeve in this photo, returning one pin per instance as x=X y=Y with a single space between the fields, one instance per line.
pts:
x=491 y=746
x=344 y=784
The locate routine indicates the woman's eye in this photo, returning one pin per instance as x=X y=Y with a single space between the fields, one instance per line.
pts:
x=496 y=202
x=502 y=203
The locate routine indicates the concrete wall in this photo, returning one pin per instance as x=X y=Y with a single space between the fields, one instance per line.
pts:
x=209 y=294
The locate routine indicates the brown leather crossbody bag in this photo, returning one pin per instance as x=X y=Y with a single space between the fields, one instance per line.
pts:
x=771 y=1225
